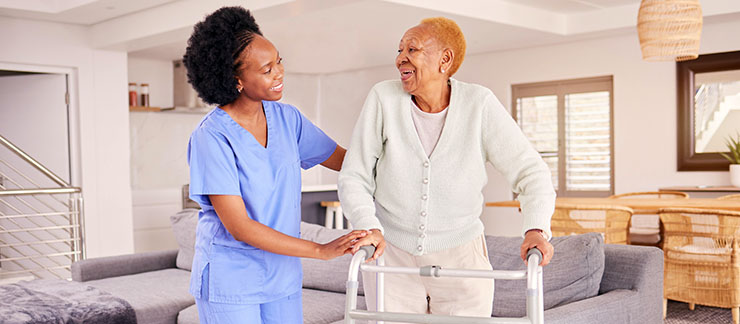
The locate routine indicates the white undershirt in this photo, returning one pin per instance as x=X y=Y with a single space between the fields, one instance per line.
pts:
x=428 y=126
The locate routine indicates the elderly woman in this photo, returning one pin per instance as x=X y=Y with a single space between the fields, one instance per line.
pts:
x=415 y=171
x=245 y=158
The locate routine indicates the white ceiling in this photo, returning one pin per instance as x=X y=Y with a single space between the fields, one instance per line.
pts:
x=83 y=12
x=327 y=36
x=572 y=6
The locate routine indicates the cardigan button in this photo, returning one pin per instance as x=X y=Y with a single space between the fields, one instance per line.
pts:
x=426 y=164
x=424 y=197
x=421 y=227
x=425 y=181
x=419 y=248
x=423 y=214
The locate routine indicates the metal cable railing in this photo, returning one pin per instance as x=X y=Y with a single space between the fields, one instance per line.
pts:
x=41 y=226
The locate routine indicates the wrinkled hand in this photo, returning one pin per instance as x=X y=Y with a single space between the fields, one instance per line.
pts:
x=340 y=246
x=376 y=239
x=535 y=239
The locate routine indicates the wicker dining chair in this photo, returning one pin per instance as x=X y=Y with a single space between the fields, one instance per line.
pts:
x=730 y=197
x=611 y=221
x=646 y=229
x=702 y=257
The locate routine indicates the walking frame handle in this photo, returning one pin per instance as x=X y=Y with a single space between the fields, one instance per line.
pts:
x=537 y=252
x=369 y=250
x=534 y=297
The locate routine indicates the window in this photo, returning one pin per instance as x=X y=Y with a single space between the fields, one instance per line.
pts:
x=570 y=124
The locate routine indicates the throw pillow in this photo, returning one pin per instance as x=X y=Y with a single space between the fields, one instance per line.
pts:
x=574 y=273
x=183 y=225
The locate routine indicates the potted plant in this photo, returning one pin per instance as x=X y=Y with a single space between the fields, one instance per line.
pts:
x=733 y=144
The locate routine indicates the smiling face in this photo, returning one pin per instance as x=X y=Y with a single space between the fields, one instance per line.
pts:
x=419 y=59
x=261 y=73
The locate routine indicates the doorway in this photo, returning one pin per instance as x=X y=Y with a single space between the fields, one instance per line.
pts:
x=40 y=209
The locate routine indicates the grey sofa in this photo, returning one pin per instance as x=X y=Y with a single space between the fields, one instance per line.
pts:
x=587 y=281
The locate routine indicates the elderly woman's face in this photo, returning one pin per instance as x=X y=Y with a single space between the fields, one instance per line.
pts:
x=419 y=58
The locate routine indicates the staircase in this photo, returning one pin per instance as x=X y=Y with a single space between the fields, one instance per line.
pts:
x=714 y=103
x=41 y=223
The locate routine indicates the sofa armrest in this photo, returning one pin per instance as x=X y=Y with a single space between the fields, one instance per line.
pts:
x=631 y=267
x=639 y=269
x=128 y=264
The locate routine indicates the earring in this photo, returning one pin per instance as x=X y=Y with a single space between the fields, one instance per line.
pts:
x=442 y=70
x=239 y=88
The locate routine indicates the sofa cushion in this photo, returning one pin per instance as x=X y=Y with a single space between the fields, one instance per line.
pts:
x=574 y=273
x=156 y=296
x=183 y=225
x=330 y=275
x=325 y=307
x=188 y=316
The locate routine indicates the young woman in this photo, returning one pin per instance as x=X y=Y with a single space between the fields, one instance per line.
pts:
x=245 y=158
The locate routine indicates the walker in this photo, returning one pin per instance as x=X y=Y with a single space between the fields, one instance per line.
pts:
x=533 y=274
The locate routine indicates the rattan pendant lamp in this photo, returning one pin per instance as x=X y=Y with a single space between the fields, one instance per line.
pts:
x=669 y=30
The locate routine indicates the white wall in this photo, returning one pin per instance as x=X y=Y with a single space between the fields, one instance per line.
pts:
x=159 y=142
x=159 y=169
x=342 y=96
x=644 y=105
x=158 y=74
x=303 y=92
x=152 y=209
x=100 y=128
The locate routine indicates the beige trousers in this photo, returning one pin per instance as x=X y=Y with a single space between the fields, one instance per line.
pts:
x=428 y=295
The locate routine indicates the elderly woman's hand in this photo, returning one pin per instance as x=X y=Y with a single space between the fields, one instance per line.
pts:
x=375 y=239
x=535 y=239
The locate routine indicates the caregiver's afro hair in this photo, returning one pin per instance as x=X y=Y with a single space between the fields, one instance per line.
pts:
x=211 y=57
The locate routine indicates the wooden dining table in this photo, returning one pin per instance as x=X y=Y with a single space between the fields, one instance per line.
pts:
x=639 y=206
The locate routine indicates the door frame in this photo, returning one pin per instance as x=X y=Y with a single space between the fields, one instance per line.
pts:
x=73 y=112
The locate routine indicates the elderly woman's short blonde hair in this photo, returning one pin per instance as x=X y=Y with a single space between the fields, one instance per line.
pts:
x=448 y=33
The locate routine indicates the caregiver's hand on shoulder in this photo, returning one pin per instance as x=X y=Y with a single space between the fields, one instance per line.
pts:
x=340 y=246
x=535 y=239
x=376 y=239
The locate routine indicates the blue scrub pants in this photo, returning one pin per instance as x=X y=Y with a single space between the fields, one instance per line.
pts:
x=288 y=310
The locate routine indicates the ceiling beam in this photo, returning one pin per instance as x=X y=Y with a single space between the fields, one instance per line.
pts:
x=496 y=11
x=173 y=22
x=138 y=30
x=717 y=8
x=613 y=18
x=44 y=6
x=625 y=17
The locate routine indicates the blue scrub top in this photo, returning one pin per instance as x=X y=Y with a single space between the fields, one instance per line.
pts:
x=225 y=159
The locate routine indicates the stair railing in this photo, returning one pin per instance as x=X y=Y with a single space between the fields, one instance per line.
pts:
x=41 y=226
